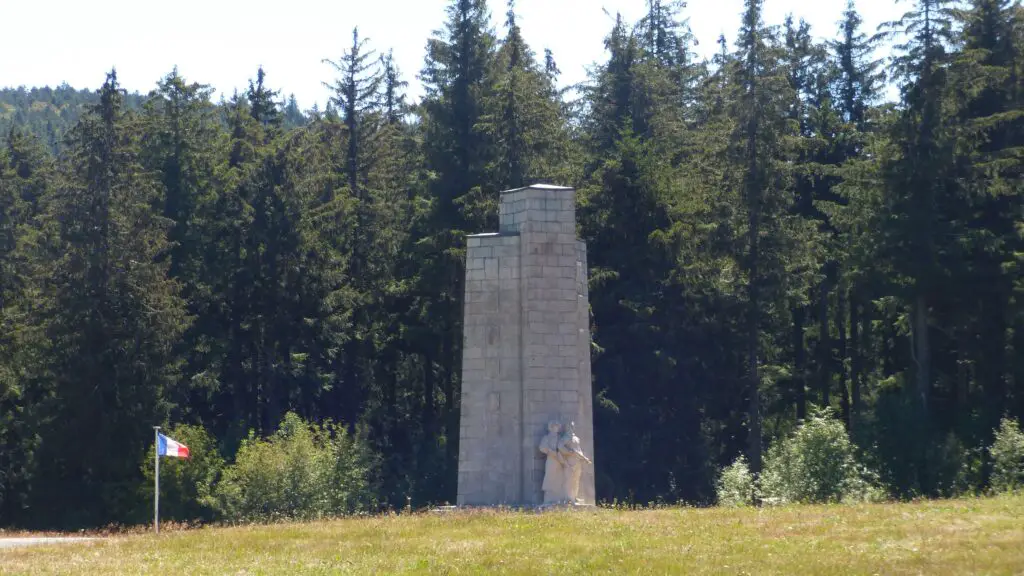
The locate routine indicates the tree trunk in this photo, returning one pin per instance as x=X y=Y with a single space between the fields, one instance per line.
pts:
x=1017 y=367
x=922 y=350
x=800 y=361
x=890 y=341
x=824 y=347
x=753 y=328
x=963 y=377
x=428 y=397
x=994 y=373
x=869 y=363
x=844 y=390
x=855 y=357
x=451 y=414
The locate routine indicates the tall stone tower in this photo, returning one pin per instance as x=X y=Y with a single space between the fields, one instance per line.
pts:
x=526 y=350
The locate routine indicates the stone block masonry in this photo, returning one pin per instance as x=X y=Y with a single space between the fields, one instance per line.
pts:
x=526 y=349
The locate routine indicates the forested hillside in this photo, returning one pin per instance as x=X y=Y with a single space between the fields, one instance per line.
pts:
x=48 y=113
x=766 y=238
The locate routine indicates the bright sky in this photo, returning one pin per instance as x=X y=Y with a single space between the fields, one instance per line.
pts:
x=222 y=42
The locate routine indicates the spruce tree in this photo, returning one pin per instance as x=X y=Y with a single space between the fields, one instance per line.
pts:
x=113 y=316
x=182 y=147
x=643 y=197
x=762 y=95
x=26 y=173
x=457 y=82
x=985 y=87
x=262 y=106
x=393 y=97
x=523 y=117
x=860 y=75
x=356 y=94
x=858 y=88
x=918 y=186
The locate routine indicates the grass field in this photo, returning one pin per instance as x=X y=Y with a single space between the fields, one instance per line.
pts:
x=976 y=536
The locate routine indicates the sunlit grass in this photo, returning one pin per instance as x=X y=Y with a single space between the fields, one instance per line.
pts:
x=980 y=536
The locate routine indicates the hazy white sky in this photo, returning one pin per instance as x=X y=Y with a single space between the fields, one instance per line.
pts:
x=222 y=42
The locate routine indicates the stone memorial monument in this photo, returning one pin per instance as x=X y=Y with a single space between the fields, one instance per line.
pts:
x=526 y=433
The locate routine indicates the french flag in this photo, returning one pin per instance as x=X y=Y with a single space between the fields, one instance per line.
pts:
x=170 y=448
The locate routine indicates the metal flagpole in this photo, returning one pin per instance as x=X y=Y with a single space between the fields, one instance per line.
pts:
x=156 y=479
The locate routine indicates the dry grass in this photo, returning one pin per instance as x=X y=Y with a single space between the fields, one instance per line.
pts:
x=983 y=536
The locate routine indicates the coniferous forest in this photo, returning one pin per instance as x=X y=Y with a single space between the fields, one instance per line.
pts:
x=768 y=237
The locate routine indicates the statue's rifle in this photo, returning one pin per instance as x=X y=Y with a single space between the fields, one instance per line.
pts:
x=580 y=454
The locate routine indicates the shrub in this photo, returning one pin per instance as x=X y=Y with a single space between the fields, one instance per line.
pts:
x=1007 y=453
x=186 y=486
x=955 y=467
x=303 y=471
x=817 y=464
x=735 y=486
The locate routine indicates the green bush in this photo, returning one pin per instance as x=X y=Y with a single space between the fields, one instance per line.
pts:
x=303 y=471
x=735 y=486
x=186 y=486
x=817 y=464
x=1007 y=453
x=955 y=467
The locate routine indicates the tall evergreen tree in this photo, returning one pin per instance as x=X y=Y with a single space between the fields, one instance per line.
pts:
x=523 y=116
x=393 y=97
x=356 y=94
x=762 y=96
x=113 y=316
x=918 y=184
x=183 y=147
x=860 y=74
x=858 y=87
x=456 y=80
x=26 y=175
x=986 y=86
x=262 y=106
x=642 y=199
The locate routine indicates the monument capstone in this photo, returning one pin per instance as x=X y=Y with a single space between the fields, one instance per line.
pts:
x=526 y=430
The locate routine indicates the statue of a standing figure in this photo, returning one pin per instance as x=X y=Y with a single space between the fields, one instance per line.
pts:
x=572 y=453
x=554 y=467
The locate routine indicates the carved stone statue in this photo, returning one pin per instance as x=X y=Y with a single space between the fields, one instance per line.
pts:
x=572 y=453
x=555 y=466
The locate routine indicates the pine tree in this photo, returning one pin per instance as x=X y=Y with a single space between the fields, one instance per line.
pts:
x=523 y=117
x=25 y=178
x=762 y=96
x=457 y=83
x=859 y=83
x=641 y=207
x=262 y=106
x=356 y=94
x=612 y=95
x=918 y=184
x=860 y=76
x=985 y=86
x=183 y=148
x=804 y=63
x=292 y=115
x=393 y=98
x=113 y=316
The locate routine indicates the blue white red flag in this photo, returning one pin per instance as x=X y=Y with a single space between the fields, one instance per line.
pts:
x=170 y=448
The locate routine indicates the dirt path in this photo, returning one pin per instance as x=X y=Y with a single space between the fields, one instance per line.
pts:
x=32 y=541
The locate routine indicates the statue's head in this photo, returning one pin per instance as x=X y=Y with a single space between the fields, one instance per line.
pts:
x=570 y=427
x=554 y=426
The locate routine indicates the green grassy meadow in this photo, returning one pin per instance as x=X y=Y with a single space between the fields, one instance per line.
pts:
x=968 y=536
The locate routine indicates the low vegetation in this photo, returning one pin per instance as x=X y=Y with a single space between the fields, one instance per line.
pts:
x=929 y=537
x=816 y=464
x=303 y=471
